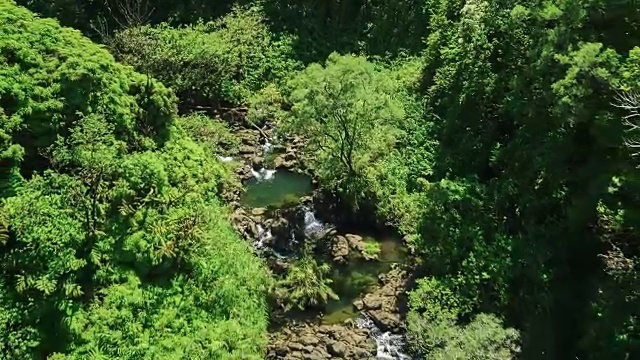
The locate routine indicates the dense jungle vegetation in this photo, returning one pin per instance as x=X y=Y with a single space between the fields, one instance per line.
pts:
x=498 y=136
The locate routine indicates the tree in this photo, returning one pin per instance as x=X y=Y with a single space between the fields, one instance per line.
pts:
x=349 y=114
x=433 y=331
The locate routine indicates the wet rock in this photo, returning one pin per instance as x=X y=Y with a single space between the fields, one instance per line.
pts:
x=258 y=211
x=385 y=320
x=257 y=161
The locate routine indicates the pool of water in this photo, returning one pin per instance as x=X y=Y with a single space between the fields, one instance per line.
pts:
x=358 y=277
x=283 y=186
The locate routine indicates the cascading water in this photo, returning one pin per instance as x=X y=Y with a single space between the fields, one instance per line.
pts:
x=266 y=147
x=389 y=345
x=262 y=237
x=263 y=174
x=312 y=227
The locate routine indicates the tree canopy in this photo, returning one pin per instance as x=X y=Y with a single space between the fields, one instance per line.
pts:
x=498 y=137
x=114 y=241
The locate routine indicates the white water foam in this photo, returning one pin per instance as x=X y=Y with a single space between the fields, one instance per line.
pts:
x=225 y=158
x=312 y=227
x=263 y=174
x=262 y=237
x=389 y=345
x=266 y=147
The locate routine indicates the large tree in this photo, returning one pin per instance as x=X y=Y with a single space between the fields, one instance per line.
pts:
x=350 y=114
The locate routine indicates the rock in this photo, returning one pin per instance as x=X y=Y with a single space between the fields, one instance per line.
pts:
x=278 y=162
x=340 y=249
x=258 y=211
x=257 y=161
x=254 y=230
x=372 y=302
x=289 y=156
x=386 y=321
x=358 y=304
x=246 y=149
x=337 y=348
x=296 y=346
x=281 y=349
x=309 y=340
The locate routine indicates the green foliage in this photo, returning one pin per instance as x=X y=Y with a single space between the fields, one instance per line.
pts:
x=306 y=284
x=484 y=338
x=371 y=249
x=113 y=243
x=211 y=134
x=209 y=64
x=433 y=332
x=52 y=77
x=350 y=115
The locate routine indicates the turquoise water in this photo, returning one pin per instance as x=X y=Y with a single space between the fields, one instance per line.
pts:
x=283 y=187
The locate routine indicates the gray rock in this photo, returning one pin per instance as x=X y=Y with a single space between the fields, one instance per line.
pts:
x=385 y=320
x=337 y=348
x=309 y=340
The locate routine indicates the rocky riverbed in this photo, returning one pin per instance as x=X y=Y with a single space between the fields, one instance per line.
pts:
x=371 y=336
x=276 y=214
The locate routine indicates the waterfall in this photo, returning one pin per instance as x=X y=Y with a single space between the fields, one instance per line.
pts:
x=262 y=237
x=263 y=174
x=266 y=147
x=389 y=345
x=312 y=227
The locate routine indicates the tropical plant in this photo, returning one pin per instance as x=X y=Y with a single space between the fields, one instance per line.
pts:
x=306 y=284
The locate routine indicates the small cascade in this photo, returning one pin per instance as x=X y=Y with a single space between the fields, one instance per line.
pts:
x=312 y=227
x=389 y=345
x=262 y=237
x=266 y=147
x=225 y=158
x=263 y=174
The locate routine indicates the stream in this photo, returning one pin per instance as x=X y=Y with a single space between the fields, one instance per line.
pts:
x=272 y=189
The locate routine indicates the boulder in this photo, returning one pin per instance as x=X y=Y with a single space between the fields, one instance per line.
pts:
x=385 y=320
x=290 y=156
x=372 y=302
x=256 y=161
x=247 y=149
x=309 y=340
x=340 y=249
x=258 y=211
x=337 y=348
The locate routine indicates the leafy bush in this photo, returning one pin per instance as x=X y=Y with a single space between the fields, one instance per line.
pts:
x=209 y=64
x=306 y=284
x=433 y=332
x=371 y=249
x=113 y=242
